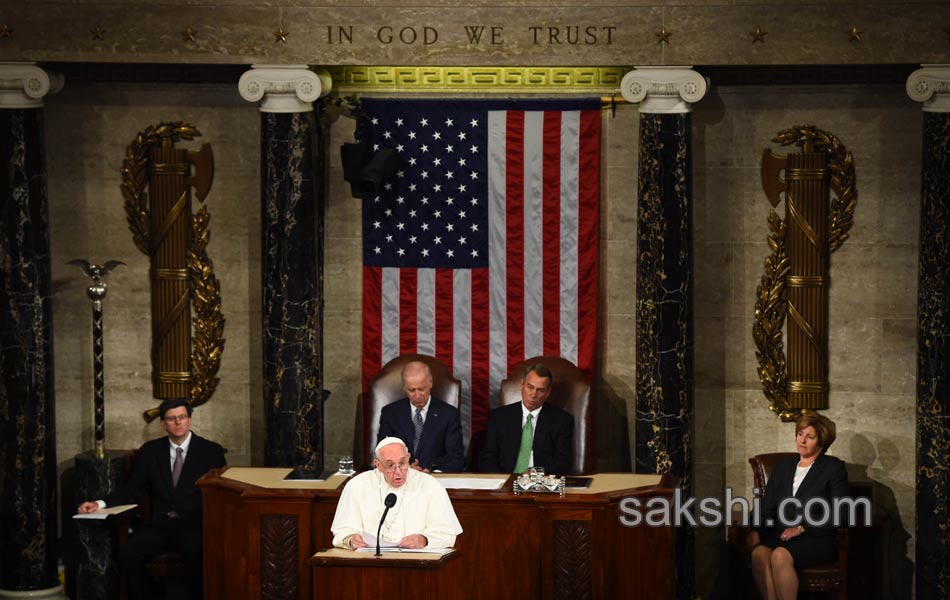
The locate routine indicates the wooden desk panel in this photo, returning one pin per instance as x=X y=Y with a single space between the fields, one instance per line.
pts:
x=259 y=541
x=344 y=574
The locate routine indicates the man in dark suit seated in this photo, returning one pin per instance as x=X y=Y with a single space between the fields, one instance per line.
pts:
x=529 y=433
x=431 y=428
x=166 y=470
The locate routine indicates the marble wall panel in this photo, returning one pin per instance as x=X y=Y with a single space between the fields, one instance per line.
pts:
x=898 y=356
x=710 y=353
x=873 y=293
x=619 y=258
x=854 y=350
x=342 y=366
x=619 y=213
x=739 y=362
x=90 y=127
x=875 y=281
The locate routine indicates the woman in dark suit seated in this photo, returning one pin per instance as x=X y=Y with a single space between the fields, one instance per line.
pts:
x=782 y=542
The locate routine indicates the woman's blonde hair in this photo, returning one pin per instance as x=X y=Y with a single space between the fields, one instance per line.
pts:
x=824 y=428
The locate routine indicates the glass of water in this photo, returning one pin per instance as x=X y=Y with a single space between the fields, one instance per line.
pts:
x=346 y=465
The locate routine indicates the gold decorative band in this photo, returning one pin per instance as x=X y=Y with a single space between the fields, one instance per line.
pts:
x=171 y=168
x=173 y=377
x=167 y=274
x=799 y=219
x=808 y=387
x=807 y=281
x=803 y=174
x=463 y=79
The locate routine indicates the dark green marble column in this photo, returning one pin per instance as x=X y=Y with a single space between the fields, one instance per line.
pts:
x=292 y=214
x=96 y=564
x=664 y=343
x=933 y=338
x=28 y=531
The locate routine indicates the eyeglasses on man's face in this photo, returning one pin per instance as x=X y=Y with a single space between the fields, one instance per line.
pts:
x=177 y=419
x=391 y=467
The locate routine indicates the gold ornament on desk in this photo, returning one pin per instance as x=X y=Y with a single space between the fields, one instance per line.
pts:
x=796 y=281
x=185 y=355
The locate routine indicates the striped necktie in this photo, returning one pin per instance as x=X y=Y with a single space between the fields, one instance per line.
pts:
x=417 y=425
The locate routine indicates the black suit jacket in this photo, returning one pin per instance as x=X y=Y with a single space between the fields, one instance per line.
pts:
x=440 y=446
x=553 y=440
x=827 y=479
x=152 y=476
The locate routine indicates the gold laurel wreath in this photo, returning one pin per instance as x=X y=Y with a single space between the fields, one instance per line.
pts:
x=841 y=166
x=770 y=304
x=207 y=341
x=770 y=310
x=207 y=321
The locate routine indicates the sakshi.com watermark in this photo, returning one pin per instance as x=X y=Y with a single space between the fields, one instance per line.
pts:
x=661 y=511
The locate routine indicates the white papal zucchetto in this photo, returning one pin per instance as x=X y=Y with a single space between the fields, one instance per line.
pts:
x=390 y=440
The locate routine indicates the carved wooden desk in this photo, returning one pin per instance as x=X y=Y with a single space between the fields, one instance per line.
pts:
x=347 y=574
x=260 y=533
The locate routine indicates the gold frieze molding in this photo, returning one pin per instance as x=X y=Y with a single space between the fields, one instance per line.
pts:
x=592 y=80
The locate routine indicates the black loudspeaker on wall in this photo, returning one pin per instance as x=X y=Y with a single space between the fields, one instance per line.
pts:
x=366 y=171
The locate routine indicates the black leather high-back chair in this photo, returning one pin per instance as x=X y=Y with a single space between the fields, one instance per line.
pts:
x=570 y=392
x=386 y=388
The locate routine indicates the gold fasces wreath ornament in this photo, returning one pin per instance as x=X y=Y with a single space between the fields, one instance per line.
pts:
x=163 y=228
x=819 y=239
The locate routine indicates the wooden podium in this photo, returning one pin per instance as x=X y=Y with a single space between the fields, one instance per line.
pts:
x=261 y=533
x=339 y=573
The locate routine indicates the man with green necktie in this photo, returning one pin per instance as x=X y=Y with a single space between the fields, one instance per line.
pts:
x=529 y=433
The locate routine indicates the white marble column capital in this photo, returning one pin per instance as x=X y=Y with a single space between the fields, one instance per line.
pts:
x=931 y=85
x=284 y=88
x=665 y=90
x=23 y=84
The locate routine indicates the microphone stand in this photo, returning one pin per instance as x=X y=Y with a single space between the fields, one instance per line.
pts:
x=389 y=502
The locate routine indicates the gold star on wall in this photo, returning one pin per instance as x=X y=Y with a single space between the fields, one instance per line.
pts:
x=98 y=33
x=5 y=31
x=758 y=35
x=855 y=34
x=188 y=35
x=663 y=36
x=280 y=35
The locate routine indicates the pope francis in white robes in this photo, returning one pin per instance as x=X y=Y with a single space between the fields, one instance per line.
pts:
x=422 y=516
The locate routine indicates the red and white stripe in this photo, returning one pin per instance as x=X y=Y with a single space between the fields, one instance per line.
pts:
x=539 y=294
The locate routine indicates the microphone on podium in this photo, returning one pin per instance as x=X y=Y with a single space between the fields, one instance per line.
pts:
x=390 y=501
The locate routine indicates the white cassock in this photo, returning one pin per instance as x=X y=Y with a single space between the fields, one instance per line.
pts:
x=422 y=506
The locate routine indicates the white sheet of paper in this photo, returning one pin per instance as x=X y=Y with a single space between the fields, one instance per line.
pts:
x=104 y=513
x=370 y=540
x=441 y=551
x=465 y=483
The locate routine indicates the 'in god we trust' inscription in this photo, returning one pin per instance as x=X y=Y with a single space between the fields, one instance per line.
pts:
x=472 y=35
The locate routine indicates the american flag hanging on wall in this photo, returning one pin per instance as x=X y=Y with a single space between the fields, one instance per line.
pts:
x=484 y=250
